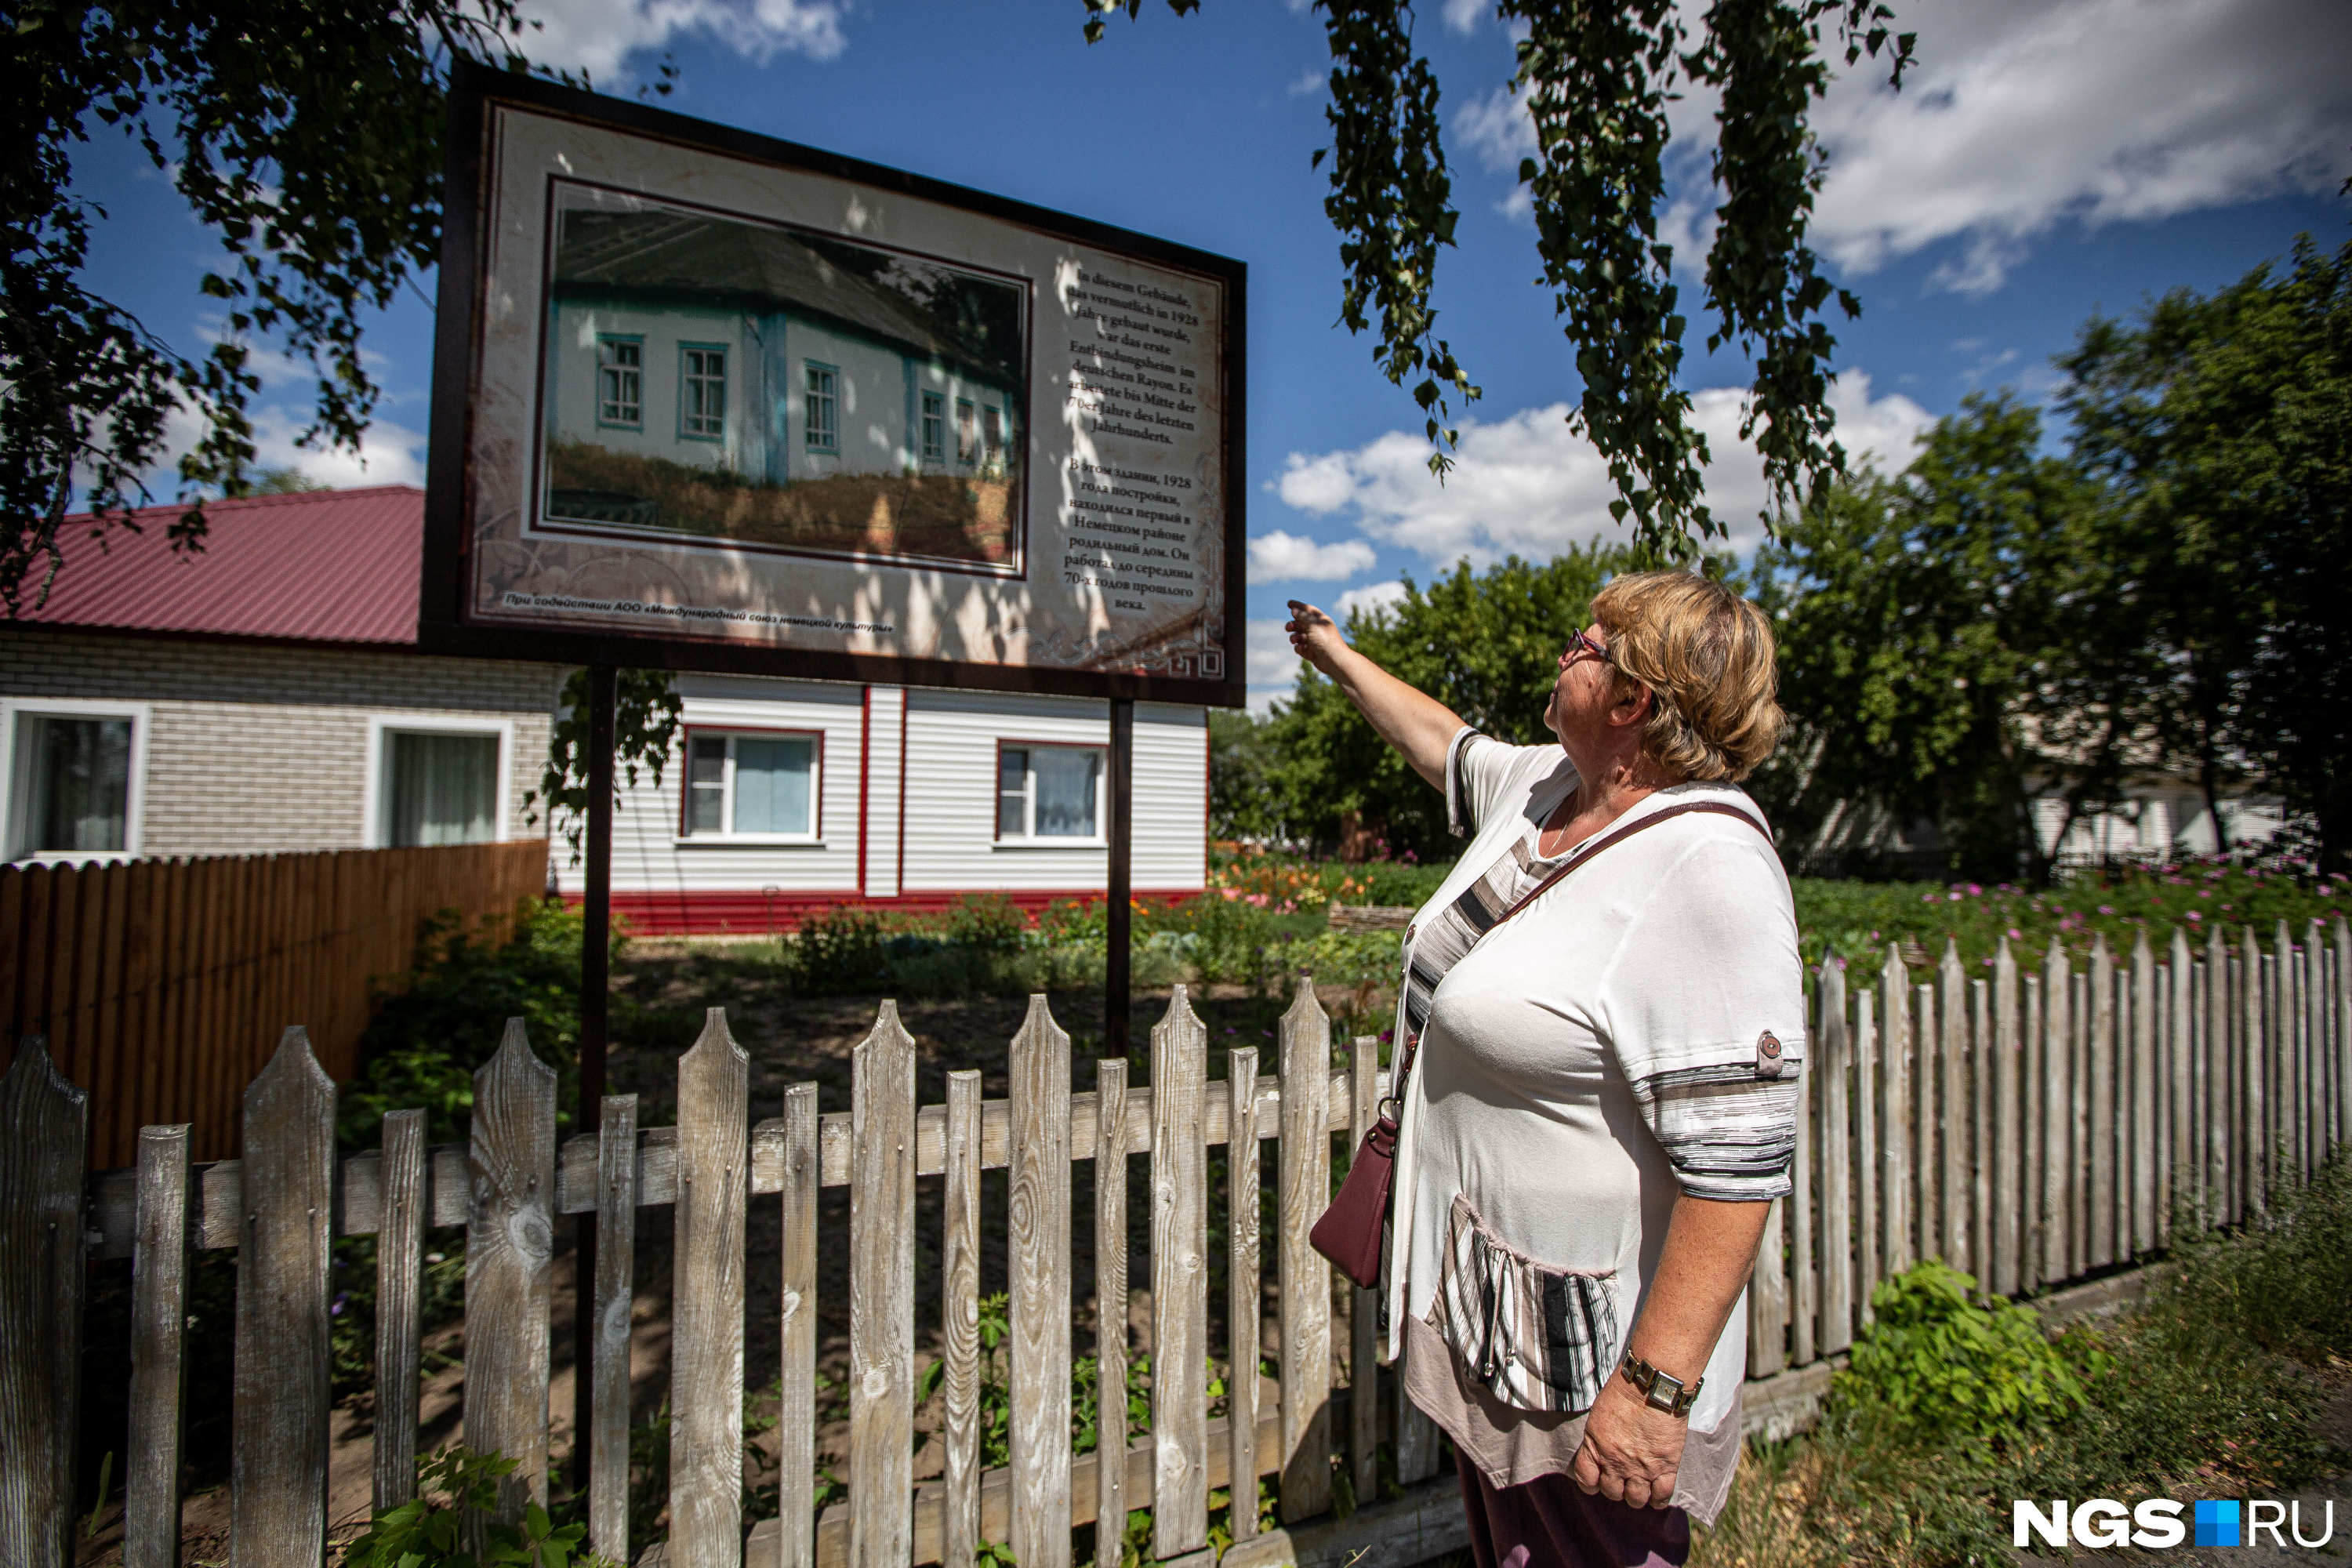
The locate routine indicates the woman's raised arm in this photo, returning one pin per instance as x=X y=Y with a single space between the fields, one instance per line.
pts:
x=1417 y=724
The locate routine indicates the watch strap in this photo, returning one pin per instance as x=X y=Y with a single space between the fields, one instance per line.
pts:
x=1662 y=1391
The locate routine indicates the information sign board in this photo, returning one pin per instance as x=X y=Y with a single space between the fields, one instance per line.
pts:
x=704 y=400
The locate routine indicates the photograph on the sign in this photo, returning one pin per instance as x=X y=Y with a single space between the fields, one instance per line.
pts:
x=711 y=376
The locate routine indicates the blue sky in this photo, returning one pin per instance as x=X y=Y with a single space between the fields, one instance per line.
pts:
x=2045 y=161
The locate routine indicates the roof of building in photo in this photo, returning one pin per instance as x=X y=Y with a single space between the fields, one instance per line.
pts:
x=695 y=258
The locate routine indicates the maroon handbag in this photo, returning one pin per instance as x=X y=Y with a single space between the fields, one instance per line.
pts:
x=1352 y=1230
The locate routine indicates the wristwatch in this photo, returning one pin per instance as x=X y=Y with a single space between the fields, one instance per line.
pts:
x=1662 y=1390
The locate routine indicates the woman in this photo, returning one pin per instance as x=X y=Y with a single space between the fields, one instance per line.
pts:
x=1601 y=1102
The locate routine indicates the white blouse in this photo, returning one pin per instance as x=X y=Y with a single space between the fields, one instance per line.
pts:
x=1636 y=1032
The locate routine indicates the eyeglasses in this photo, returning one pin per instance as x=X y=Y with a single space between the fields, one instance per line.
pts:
x=1582 y=638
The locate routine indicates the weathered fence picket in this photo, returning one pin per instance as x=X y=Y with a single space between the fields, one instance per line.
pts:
x=882 y=1283
x=279 y=1441
x=615 y=1309
x=706 y=1455
x=1179 y=1282
x=2028 y=1126
x=159 y=1319
x=510 y=1261
x=1244 y=1285
x=399 y=1307
x=1304 y=1277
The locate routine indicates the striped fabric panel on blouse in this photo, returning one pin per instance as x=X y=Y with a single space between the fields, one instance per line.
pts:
x=1535 y=1337
x=1729 y=1135
x=1453 y=931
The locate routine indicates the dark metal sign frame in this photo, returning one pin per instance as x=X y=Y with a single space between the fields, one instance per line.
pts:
x=443 y=624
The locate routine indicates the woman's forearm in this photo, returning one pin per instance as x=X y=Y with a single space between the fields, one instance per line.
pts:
x=1418 y=725
x=1710 y=1250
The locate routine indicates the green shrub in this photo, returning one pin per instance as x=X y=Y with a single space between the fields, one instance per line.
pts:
x=429 y=1531
x=2287 y=1286
x=1943 y=1360
x=837 y=950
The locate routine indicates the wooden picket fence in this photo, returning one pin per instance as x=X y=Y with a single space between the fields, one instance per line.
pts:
x=2030 y=1127
x=159 y=983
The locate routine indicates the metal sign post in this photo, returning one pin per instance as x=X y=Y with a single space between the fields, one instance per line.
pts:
x=595 y=1000
x=1118 y=899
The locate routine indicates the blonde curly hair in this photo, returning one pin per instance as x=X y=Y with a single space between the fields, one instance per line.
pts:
x=1707 y=656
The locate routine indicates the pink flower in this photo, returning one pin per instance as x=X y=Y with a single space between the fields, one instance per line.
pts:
x=1257 y=899
x=2106 y=909
x=1955 y=896
x=2194 y=916
x=1230 y=893
x=1975 y=891
x=2015 y=935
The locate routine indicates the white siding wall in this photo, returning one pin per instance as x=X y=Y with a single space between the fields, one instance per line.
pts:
x=574 y=386
x=870 y=402
x=951 y=744
x=886 y=730
x=649 y=855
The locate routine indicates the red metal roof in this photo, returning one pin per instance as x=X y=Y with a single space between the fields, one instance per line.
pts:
x=327 y=566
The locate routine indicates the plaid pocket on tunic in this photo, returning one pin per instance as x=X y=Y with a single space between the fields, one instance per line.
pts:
x=1534 y=1337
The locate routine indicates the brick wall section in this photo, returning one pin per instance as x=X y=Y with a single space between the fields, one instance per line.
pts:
x=258 y=748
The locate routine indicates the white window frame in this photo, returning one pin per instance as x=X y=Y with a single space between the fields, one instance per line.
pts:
x=134 y=804
x=686 y=835
x=1030 y=839
x=374 y=824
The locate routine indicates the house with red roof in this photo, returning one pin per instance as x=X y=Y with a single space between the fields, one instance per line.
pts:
x=267 y=694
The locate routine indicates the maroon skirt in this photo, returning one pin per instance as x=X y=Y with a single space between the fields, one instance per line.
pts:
x=1551 y=1522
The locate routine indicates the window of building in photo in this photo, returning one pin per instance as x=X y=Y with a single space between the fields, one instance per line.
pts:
x=751 y=784
x=438 y=786
x=967 y=432
x=1048 y=793
x=702 y=391
x=991 y=437
x=70 y=785
x=935 y=427
x=621 y=382
x=824 y=424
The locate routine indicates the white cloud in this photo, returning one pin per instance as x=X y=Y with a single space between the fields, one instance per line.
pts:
x=1497 y=129
x=1526 y=484
x=389 y=454
x=1267 y=657
x=598 y=36
x=1311 y=81
x=1371 y=597
x=2023 y=114
x=1281 y=557
x=1463 y=16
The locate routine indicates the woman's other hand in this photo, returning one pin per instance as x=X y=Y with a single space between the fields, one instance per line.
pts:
x=1314 y=636
x=1631 y=1452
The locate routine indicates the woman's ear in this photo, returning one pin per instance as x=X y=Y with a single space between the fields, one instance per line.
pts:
x=1633 y=702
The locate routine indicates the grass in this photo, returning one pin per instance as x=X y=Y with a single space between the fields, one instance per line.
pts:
x=2210 y=1389
x=940 y=516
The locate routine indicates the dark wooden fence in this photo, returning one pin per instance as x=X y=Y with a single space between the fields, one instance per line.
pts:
x=159 y=984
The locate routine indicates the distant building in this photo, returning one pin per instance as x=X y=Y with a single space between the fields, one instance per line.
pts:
x=726 y=345
x=268 y=695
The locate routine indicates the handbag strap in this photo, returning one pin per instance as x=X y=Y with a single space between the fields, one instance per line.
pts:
x=1614 y=836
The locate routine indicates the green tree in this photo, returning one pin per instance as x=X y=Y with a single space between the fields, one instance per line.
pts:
x=1485 y=643
x=305 y=137
x=1596 y=78
x=2221 y=426
x=1242 y=802
x=1956 y=645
